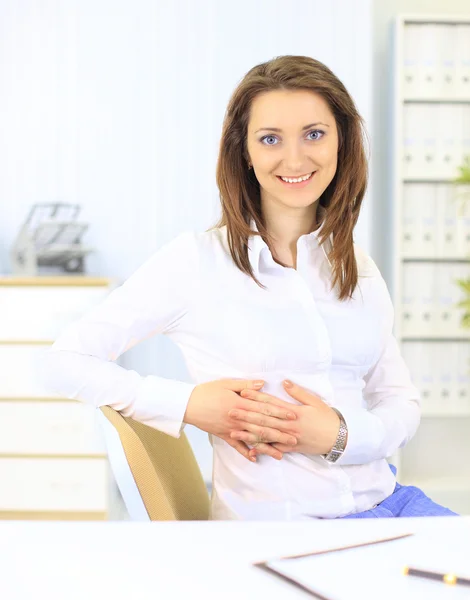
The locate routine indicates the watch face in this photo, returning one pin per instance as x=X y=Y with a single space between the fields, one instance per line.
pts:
x=333 y=455
x=340 y=443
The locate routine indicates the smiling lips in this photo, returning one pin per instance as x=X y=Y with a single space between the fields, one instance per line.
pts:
x=296 y=181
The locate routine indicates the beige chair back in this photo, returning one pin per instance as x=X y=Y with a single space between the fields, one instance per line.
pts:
x=164 y=469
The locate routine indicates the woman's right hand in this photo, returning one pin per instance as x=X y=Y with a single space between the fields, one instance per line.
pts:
x=210 y=403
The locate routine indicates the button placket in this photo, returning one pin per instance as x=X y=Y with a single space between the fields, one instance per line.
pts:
x=304 y=294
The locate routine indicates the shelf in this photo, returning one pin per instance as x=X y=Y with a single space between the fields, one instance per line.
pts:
x=436 y=100
x=37 y=399
x=435 y=19
x=26 y=342
x=413 y=338
x=445 y=415
x=55 y=280
x=49 y=456
x=449 y=180
x=53 y=515
x=433 y=260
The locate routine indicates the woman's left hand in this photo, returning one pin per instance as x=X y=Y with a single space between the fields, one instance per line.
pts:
x=316 y=426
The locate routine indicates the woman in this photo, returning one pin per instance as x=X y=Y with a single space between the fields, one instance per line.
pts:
x=277 y=291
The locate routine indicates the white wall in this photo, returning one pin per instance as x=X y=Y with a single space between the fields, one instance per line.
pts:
x=118 y=105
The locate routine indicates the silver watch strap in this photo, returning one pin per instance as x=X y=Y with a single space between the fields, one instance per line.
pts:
x=340 y=443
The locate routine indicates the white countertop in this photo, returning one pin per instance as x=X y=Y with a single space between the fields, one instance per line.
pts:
x=175 y=560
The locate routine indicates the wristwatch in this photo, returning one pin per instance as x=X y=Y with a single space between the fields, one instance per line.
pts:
x=340 y=443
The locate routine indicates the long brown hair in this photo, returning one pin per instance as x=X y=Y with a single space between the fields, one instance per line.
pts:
x=240 y=191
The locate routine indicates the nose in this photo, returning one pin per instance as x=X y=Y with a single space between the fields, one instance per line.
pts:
x=294 y=158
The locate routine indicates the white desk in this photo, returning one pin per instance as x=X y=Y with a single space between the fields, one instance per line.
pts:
x=203 y=560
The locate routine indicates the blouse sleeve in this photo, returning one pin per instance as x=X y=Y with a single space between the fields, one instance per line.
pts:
x=391 y=414
x=80 y=364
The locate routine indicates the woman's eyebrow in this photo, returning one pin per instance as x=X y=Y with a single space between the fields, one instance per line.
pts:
x=280 y=130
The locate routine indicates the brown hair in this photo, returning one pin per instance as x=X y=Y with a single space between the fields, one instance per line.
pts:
x=240 y=190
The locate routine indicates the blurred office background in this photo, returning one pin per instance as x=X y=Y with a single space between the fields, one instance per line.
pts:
x=118 y=106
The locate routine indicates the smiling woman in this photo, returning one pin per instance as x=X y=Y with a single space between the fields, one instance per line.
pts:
x=289 y=119
x=284 y=323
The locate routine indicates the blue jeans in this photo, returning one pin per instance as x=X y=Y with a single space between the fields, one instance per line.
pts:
x=406 y=501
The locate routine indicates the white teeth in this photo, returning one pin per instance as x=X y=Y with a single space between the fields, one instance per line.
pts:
x=297 y=180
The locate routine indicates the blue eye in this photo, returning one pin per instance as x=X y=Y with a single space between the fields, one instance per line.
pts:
x=322 y=133
x=267 y=137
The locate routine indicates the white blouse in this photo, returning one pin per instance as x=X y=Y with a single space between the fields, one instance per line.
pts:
x=228 y=327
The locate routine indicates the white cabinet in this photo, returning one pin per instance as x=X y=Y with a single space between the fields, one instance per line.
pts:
x=54 y=485
x=53 y=464
x=48 y=427
x=432 y=247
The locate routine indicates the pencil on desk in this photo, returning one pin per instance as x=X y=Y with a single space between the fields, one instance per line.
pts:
x=448 y=578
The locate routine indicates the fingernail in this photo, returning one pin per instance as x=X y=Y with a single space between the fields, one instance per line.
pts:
x=292 y=441
x=233 y=414
x=278 y=456
x=291 y=416
x=253 y=458
x=258 y=384
x=287 y=383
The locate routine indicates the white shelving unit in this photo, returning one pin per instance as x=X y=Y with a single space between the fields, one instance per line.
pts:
x=432 y=247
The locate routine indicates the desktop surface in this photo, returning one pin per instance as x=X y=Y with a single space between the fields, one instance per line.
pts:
x=209 y=560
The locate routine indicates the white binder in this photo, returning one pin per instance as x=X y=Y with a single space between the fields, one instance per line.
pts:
x=451 y=354
x=417 y=357
x=461 y=135
x=428 y=309
x=465 y=131
x=460 y=198
x=462 y=67
x=463 y=377
x=446 y=224
x=411 y=221
x=428 y=49
x=428 y=377
x=442 y=391
x=428 y=141
x=445 y=375
x=448 y=127
x=411 y=58
x=447 y=68
x=419 y=303
x=412 y=163
x=409 y=316
x=444 y=301
x=459 y=271
x=419 y=220
x=426 y=204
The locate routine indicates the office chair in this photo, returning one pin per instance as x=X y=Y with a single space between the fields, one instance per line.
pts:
x=157 y=475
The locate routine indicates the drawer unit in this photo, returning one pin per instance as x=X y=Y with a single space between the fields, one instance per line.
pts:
x=53 y=484
x=54 y=428
x=53 y=463
x=20 y=366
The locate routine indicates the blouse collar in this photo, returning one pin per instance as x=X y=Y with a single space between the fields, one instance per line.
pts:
x=256 y=244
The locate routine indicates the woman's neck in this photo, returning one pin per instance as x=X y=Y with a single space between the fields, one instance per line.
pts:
x=286 y=231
